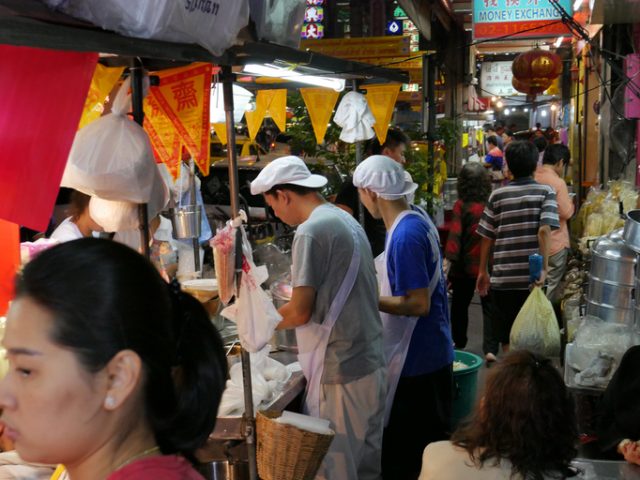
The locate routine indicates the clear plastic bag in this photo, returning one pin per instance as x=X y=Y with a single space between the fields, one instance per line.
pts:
x=213 y=24
x=112 y=157
x=536 y=327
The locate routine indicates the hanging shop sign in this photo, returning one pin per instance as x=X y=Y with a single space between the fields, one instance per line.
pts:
x=360 y=48
x=496 y=79
x=312 y=31
x=518 y=18
x=313 y=14
x=394 y=27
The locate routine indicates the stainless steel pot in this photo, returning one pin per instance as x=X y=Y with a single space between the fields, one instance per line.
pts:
x=609 y=313
x=610 y=293
x=283 y=339
x=631 y=232
x=613 y=261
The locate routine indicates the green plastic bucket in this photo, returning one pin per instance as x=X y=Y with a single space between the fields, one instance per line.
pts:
x=465 y=385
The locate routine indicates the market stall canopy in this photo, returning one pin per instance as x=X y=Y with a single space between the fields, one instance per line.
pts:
x=31 y=23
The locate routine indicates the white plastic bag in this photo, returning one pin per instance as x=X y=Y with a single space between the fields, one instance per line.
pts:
x=117 y=216
x=112 y=157
x=253 y=311
x=214 y=24
x=536 y=327
x=355 y=117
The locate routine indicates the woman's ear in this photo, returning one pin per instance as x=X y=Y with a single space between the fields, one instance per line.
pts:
x=124 y=374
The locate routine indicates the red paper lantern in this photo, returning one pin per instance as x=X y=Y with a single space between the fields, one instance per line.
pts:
x=530 y=88
x=537 y=67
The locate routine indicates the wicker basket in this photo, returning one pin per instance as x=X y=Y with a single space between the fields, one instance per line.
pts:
x=286 y=452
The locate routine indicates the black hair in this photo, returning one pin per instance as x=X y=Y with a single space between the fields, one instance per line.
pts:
x=540 y=143
x=508 y=133
x=474 y=183
x=106 y=297
x=298 y=189
x=522 y=158
x=79 y=202
x=395 y=138
x=493 y=140
x=555 y=153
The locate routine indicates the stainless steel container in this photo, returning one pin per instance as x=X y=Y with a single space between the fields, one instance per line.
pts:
x=610 y=293
x=613 y=261
x=631 y=232
x=283 y=339
x=610 y=313
x=186 y=221
x=224 y=470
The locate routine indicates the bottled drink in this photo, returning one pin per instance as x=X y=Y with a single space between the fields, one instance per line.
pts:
x=535 y=267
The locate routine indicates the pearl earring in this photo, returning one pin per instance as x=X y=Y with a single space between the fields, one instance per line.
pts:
x=109 y=402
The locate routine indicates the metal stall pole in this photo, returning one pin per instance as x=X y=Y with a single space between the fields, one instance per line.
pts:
x=354 y=87
x=138 y=115
x=248 y=418
x=429 y=118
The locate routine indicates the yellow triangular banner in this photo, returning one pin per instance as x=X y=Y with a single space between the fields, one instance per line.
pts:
x=276 y=102
x=254 y=118
x=184 y=97
x=103 y=81
x=382 y=100
x=320 y=103
x=221 y=131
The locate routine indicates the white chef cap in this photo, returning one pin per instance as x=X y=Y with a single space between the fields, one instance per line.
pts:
x=286 y=170
x=384 y=176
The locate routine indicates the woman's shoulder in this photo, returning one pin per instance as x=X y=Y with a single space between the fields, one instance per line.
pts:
x=165 y=467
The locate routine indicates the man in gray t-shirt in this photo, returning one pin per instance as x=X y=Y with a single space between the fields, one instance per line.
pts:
x=334 y=308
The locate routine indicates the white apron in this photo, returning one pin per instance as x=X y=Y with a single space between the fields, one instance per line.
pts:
x=397 y=329
x=313 y=337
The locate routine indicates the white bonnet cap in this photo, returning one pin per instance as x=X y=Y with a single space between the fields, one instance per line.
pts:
x=384 y=176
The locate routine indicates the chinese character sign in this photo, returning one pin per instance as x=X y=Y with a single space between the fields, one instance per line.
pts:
x=518 y=18
x=495 y=79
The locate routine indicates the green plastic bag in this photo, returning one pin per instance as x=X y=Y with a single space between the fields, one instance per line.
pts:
x=536 y=327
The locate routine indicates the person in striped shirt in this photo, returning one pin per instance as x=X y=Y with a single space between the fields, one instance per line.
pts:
x=517 y=222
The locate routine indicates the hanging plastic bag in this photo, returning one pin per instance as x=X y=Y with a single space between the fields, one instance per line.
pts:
x=223 y=244
x=253 y=311
x=112 y=157
x=536 y=327
x=213 y=24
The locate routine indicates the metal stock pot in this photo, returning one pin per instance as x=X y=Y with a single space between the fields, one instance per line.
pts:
x=612 y=261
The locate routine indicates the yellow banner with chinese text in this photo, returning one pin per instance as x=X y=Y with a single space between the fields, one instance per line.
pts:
x=165 y=139
x=184 y=97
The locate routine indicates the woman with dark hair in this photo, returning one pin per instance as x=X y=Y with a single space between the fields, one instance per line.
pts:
x=462 y=251
x=113 y=373
x=79 y=224
x=523 y=428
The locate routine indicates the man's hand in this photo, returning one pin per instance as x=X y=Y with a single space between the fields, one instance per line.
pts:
x=541 y=279
x=631 y=452
x=482 y=284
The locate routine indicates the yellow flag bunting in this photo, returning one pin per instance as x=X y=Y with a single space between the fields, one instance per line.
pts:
x=276 y=102
x=320 y=103
x=221 y=130
x=103 y=81
x=382 y=100
x=254 y=118
x=183 y=96
x=165 y=139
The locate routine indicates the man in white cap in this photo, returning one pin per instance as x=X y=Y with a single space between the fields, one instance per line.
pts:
x=415 y=317
x=334 y=310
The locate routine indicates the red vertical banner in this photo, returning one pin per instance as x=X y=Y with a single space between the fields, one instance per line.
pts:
x=42 y=93
x=9 y=261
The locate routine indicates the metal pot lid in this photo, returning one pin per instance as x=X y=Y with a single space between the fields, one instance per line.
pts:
x=616 y=235
x=613 y=249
